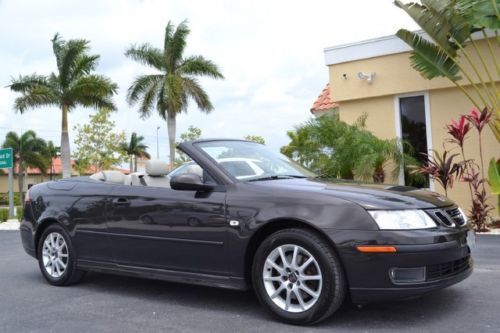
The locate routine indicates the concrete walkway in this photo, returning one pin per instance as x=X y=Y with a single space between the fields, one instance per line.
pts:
x=12 y=224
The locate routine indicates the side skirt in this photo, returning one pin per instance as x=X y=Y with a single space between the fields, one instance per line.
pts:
x=227 y=282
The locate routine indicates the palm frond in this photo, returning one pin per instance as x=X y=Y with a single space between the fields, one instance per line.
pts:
x=199 y=66
x=146 y=55
x=175 y=47
x=141 y=85
x=91 y=90
x=196 y=92
x=72 y=50
x=428 y=59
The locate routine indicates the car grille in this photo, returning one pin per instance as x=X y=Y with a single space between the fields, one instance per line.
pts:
x=440 y=271
x=449 y=217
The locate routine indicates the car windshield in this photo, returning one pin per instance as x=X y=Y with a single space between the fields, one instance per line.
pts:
x=249 y=161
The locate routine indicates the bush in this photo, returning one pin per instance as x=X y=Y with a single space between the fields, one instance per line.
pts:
x=19 y=213
x=4 y=214
x=4 y=199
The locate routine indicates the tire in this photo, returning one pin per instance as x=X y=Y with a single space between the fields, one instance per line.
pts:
x=57 y=258
x=302 y=291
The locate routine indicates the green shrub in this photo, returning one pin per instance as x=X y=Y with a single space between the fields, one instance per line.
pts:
x=19 y=213
x=4 y=214
x=4 y=199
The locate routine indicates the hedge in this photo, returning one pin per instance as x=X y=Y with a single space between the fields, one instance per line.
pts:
x=4 y=214
x=4 y=199
x=19 y=213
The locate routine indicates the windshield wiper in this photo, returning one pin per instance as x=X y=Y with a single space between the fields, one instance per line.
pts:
x=276 y=177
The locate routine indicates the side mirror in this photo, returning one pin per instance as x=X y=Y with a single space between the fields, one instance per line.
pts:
x=188 y=182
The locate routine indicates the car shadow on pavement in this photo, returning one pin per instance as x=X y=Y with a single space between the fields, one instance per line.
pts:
x=396 y=314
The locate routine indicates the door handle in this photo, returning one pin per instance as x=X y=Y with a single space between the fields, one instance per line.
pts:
x=121 y=202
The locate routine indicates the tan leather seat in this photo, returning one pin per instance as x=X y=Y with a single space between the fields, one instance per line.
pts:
x=109 y=176
x=156 y=174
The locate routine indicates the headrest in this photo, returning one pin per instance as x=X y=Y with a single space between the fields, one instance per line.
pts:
x=156 y=168
x=111 y=176
x=196 y=169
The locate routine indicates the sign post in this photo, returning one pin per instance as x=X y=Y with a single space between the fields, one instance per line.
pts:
x=6 y=162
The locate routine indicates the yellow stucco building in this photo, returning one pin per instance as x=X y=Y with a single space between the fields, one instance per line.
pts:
x=375 y=77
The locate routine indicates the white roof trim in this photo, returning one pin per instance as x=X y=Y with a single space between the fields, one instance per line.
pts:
x=369 y=48
x=375 y=47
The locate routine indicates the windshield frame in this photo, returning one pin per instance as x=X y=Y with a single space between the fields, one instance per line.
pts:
x=206 y=155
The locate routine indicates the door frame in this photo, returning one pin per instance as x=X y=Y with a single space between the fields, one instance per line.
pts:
x=428 y=127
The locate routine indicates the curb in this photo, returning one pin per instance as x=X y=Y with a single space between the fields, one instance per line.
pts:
x=10 y=225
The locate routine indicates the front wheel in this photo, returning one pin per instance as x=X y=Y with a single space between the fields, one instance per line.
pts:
x=56 y=257
x=298 y=277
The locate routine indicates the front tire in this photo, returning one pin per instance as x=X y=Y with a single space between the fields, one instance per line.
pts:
x=56 y=257
x=298 y=277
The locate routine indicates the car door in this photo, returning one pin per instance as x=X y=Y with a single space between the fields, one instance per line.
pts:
x=163 y=228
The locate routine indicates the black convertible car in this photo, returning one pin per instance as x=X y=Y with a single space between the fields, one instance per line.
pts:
x=242 y=216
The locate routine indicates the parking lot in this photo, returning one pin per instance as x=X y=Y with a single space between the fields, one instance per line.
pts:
x=105 y=303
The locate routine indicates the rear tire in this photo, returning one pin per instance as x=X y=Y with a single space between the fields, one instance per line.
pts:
x=298 y=277
x=57 y=258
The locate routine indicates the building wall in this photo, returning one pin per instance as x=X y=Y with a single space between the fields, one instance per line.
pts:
x=30 y=179
x=394 y=77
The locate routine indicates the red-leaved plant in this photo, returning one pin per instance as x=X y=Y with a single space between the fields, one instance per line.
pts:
x=442 y=168
x=480 y=209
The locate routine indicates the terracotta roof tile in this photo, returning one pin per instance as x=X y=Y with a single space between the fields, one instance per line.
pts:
x=324 y=102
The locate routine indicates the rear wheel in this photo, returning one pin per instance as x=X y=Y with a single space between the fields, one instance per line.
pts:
x=298 y=277
x=56 y=257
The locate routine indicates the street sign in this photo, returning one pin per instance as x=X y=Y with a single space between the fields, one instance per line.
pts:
x=6 y=157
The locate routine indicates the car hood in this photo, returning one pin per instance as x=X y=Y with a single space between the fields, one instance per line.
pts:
x=368 y=196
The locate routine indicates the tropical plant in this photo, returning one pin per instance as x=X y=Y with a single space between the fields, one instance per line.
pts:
x=480 y=210
x=335 y=149
x=81 y=166
x=193 y=133
x=450 y=24
x=135 y=149
x=74 y=84
x=98 y=143
x=51 y=152
x=442 y=168
x=169 y=90
x=256 y=138
x=28 y=152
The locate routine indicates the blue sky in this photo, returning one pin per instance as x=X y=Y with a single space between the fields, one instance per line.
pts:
x=271 y=53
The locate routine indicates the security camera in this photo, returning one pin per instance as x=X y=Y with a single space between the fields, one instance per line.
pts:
x=366 y=76
x=344 y=76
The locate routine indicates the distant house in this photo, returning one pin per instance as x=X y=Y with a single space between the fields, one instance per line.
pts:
x=34 y=176
x=375 y=77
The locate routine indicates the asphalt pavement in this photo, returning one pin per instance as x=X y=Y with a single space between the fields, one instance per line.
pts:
x=107 y=303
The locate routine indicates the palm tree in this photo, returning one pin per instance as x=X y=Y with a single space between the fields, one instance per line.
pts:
x=52 y=152
x=72 y=85
x=168 y=91
x=135 y=149
x=28 y=152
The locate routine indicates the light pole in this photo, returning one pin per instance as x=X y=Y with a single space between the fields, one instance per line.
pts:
x=157 y=144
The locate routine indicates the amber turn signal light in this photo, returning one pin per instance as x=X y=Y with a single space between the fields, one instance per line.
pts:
x=376 y=249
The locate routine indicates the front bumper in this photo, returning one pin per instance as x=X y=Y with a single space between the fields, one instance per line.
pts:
x=443 y=254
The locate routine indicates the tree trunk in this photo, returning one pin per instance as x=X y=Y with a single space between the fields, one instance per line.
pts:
x=171 y=137
x=131 y=165
x=135 y=163
x=65 y=149
x=20 y=179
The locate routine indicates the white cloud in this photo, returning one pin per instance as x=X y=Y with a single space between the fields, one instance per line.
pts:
x=271 y=53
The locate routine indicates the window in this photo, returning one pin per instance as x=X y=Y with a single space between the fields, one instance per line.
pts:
x=413 y=128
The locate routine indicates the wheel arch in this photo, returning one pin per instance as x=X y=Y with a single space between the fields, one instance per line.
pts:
x=273 y=226
x=42 y=226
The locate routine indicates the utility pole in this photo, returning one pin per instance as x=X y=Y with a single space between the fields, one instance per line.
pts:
x=157 y=144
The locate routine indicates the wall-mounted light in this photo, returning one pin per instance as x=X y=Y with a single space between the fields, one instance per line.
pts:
x=366 y=76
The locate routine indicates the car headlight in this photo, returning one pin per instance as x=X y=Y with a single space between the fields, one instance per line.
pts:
x=402 y=219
